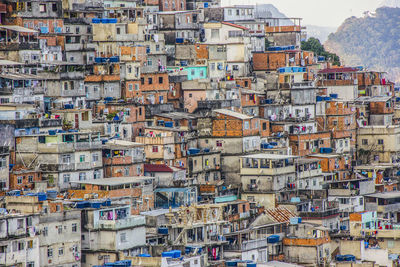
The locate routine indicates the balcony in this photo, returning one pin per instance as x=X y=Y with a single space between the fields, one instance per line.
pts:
x=50 y=123
x=217 y=104
x=155 y=140
x=319 y=214
x=72 y=93
x=389 y=207
x=129 y=222
x=309 y=173
x=343 y=192
x=336 y=83
x=276 y=29
x=56 y=148
x=267 y=171
x=87 y=145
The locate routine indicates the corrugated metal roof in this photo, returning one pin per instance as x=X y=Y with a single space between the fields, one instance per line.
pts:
x=280 y=214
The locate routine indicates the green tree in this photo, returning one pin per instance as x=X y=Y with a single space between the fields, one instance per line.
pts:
x=314 y=45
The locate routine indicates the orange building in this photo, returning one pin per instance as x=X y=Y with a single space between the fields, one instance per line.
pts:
x=22 y=178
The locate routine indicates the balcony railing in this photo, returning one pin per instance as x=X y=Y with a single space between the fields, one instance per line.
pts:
x=319 y=214
x=123 y=223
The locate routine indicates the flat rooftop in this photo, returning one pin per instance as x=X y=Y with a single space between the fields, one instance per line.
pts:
x=386 y=195
x=115 y=180
x=268 y=156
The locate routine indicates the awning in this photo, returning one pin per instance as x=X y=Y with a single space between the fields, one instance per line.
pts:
x=17 y=28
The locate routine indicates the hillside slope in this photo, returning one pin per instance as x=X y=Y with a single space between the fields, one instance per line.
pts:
x=372 y=41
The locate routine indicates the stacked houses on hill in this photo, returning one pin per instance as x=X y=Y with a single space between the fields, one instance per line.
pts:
x=185 y=133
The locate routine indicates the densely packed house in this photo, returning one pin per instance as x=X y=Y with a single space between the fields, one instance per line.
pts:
x=183 y=133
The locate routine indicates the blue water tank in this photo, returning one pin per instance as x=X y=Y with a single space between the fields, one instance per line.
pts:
x=42 y=196
x=52 y=194
x=169 y=124
x=231 y=263
x=273 y=239
x=167 y=254
x=144 y=255
x=334 y=96
x=96 y=20
x=163 y=230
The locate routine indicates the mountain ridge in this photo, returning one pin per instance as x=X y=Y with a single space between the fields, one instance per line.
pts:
x=371 y=41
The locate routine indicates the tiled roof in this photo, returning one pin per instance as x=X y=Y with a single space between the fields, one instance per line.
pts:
x=280 y=214
x=235 y=25
x=157 y=168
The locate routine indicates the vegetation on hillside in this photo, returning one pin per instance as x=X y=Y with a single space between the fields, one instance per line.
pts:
x=313 y=44
x=372 y=41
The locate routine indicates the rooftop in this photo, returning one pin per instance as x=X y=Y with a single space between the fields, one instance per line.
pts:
x=269 y=156
x=157 y=168
x=234 y=114
x=177 y=115
x=386 y=195
x=120 y=144
x=116 y=180
x=338 y=70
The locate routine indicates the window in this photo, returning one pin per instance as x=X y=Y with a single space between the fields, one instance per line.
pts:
x=59 y=229
x=190 y=95
x=3 y=163
x=214 y=33
x=160 y=80
x=61 y=251
x=235 y=33
x=155 y=149
x=54 y=7
x=246 y=125
x=219 y=143
x=118 y=30
x=380 y=141
x=123 y=237
x=264 y=126
x=45 y=231
x=42 y=8
x=230 y=12
x=96 y=174
x=136 y=86
x=95 y=157
x=66 y=159
x=29 y=221
x=149 y=62
x=82 y=176
x=30 y=264
x=235 y=67
x=237 y=12
x=66 y=178
x=212 y=66
x=19 y=179
x=20 y=223
x=150 y=80
x=126 y=171
x=365 y=142
x=49 y=253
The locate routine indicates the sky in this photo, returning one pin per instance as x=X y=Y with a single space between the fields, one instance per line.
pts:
x=318 y=12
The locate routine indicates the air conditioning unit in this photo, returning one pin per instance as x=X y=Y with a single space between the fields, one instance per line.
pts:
x=100 y=257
